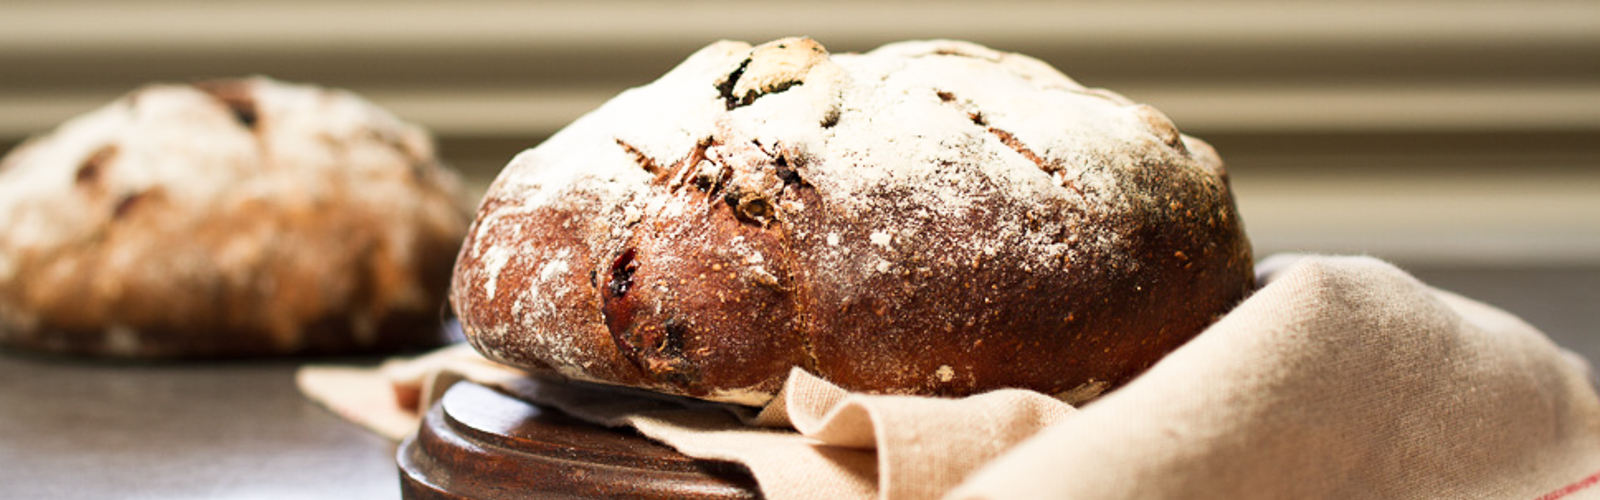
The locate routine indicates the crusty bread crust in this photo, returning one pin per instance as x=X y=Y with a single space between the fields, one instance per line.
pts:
x=234 y=217
x=928 y=218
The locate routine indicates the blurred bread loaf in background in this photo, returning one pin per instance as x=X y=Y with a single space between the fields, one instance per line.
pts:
x=227 y=217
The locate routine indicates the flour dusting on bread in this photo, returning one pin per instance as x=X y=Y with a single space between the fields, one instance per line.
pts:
x=875 y=184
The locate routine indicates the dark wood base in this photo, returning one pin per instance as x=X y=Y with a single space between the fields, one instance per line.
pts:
x=477 y=443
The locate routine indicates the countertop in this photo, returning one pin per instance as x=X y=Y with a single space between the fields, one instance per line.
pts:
x=222 y=430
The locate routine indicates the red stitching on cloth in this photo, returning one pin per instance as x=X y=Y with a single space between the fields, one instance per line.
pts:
x=1592 y=480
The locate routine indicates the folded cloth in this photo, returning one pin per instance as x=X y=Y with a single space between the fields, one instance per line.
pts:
x=389 y=399
x=1342 y=377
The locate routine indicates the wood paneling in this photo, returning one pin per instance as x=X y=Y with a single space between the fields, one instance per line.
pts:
x=1329 y=111
x=498 y=68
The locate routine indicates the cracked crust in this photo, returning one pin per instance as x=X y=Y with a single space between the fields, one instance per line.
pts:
x=927 y=218
x=226 y=218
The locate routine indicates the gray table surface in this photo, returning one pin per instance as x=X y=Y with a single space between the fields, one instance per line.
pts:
x=223 y=430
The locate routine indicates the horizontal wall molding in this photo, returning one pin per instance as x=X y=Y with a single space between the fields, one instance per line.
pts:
x=67 y=26
x=1439 y=131
x=1197 y=110
x=501 y=67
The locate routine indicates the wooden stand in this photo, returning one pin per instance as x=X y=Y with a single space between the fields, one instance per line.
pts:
x=477 y=443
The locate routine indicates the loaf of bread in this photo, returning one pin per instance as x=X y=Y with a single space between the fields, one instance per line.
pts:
x=930 y=218
x=232 y=217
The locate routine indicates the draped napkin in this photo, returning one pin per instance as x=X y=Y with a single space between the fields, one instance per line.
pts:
x=1341 y=377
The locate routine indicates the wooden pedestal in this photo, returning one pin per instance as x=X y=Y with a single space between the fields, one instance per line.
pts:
x=477 y=443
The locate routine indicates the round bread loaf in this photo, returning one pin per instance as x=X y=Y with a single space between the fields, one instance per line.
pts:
x=233 y=217
x=928 y=218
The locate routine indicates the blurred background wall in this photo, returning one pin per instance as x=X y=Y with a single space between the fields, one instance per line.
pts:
x=1422 y=131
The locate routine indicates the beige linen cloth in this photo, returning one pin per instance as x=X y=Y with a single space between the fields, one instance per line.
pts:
x=1341 y=377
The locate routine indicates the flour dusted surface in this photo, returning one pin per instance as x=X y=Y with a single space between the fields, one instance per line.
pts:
x=888 y=213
